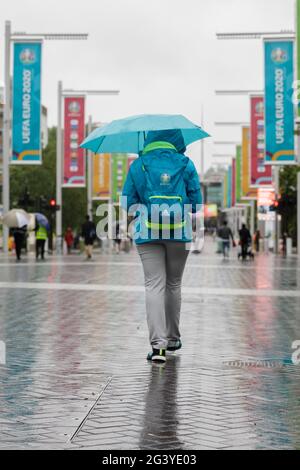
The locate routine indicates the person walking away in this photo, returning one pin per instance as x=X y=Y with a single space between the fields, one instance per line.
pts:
x=40 y=241
x=245 y=240
x=88 y=233
x=117 y=240
x=19 y=237
x=69 y=239
x=257 y=240
x=225 y=234
x=163 y=177
x=284 y=240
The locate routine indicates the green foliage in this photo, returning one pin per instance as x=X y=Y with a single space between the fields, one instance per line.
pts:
x=288 y=190
x=40 y=180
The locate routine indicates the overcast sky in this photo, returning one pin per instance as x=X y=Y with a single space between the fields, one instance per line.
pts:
x=163 y=55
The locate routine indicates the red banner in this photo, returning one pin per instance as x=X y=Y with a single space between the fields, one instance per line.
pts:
x=130 y=160
x=74 y=156
x=260 y=174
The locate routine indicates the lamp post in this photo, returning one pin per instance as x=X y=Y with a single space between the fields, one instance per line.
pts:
x=226 y=142
x=9 y=38
x=61 y=92
x=278 y=34
x=255 y=35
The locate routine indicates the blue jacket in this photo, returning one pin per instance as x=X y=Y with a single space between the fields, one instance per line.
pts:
x=157 y=143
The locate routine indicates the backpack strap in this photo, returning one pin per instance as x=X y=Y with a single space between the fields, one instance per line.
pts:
x=148 y=181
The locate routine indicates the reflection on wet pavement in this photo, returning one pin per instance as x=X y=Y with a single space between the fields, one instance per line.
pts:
x=76 y=376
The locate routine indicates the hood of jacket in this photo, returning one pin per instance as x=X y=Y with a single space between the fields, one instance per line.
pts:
x=173 y=137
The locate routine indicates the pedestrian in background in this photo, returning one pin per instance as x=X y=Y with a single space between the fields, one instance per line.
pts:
x=245 y=240
x=163 y=173
x=88 y=233
x=225 y=234
x=40 y=241
x=117 y=239
x=69 y=239
x=257 y=240
x=19 y=237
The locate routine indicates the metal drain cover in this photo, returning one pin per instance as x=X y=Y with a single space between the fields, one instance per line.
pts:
x=255 y=364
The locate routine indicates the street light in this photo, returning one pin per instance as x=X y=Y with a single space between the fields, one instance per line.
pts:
x=236 y=123
x=255 y=35
x=237 y=92
x=9 y=38
x=60 y=94
x=226 y=142
x=222 y=155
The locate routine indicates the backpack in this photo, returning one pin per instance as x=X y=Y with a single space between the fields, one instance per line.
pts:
x=92 y=232
x=165 y=193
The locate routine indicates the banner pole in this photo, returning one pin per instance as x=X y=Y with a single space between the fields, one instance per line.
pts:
x=252 y=220
x=90 y=175
x=110 y=204
x=276 y=170
x=6 y=132
x=297 y=77
x=202 y=144
x=59 y=169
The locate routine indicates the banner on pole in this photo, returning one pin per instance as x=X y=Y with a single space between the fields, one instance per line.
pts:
x=260 y=173
x=279 y=115
x=233 y=182
x=298 y=52
x=26 y=109
x=101 y=176
x=238 y=174
x=74 y=132
x=247 y=192
x=130 y=160
x=229 y=187
x=119 y=172
x=224 y=188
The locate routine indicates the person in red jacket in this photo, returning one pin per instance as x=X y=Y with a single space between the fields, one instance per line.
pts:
x=69 y=239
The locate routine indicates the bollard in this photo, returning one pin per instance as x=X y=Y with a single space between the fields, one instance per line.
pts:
x=289 y=247
x=266 y=245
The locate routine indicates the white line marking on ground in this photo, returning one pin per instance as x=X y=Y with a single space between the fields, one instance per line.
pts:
x=215 y=291
x=221 y=266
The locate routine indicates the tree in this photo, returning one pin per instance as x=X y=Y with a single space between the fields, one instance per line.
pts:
x=40 y=181
x=288 y=204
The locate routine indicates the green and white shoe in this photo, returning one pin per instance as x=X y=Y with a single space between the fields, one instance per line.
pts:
x=157 y=355
x=174 y=345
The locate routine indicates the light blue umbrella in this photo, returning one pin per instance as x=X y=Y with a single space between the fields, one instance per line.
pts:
x=128 y=135
x=42 y=220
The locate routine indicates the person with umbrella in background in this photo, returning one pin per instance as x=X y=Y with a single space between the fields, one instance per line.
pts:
x=42 y=227
x=17 y=220
x=19 y=234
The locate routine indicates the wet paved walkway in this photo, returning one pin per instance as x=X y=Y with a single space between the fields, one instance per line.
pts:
x=76 y=340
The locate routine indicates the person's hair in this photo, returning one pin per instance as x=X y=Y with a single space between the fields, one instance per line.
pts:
x=87 y=217
x=225 y=222
x=243 y=225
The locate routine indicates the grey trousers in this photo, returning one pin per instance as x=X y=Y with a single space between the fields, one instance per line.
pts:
x=163 y=264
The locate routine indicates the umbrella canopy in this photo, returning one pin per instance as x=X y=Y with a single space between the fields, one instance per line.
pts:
x=128 y=135
x=16 y=218
x=42 y=220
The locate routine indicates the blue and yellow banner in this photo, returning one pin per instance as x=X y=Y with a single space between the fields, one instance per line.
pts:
x=26 y=121
x=279 y=107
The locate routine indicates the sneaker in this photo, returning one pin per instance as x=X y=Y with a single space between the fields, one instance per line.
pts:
x=157 y=355
x=174 y=345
